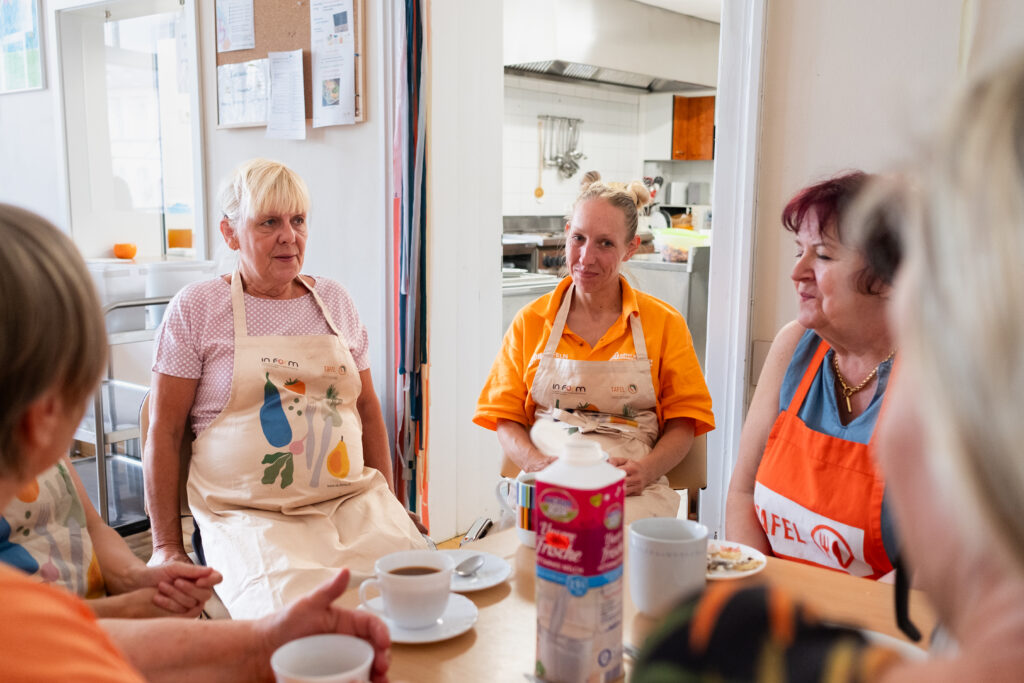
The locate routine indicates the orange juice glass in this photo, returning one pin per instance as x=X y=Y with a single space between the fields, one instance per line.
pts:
x=179 y=238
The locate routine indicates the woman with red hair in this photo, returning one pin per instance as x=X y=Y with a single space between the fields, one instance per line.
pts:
x=806 y=486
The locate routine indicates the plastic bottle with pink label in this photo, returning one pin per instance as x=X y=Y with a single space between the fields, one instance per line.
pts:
x=579 y=525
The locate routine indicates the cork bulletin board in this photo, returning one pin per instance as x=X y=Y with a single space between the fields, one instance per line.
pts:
x=283 y=25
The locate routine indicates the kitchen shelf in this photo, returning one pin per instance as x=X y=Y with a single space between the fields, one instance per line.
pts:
x=114 y=423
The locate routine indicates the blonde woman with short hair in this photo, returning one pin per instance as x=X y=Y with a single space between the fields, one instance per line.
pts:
x=291 y=471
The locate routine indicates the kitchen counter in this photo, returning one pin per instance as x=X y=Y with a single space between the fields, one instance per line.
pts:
x=684 y=286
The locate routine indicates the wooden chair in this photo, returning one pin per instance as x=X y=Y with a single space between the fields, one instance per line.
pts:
x=691 y=474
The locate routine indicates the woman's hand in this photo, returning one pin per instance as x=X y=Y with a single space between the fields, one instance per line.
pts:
x=537 y=461
x=181 y=588
x=315 y=614
x=418 y=522
x=168 y=554
x=637 y=475
x=142 y=603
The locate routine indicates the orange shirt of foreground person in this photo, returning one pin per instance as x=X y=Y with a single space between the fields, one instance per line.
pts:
x=66 y=643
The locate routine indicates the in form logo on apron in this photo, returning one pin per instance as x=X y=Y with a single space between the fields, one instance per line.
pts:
x=568 y=388
x=267 y=360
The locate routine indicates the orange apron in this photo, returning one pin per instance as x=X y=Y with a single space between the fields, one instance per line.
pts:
x=819 y=497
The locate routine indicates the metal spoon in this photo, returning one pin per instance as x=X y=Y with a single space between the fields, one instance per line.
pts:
x=469 y=565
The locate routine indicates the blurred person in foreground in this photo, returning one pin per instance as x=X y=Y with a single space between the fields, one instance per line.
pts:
x=950 y=443
x=54 y=345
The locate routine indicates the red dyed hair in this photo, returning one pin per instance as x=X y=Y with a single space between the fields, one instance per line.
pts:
x=829 y=201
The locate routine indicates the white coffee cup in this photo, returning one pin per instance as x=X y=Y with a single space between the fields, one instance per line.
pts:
x=667 y=562
x=411 y=599
x=325 y=658
x=518 y=497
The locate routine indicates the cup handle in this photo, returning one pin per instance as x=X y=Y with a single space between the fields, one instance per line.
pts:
x=503 y=490
x=362 y=596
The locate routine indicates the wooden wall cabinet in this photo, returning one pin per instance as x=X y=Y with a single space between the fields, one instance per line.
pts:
x=693 y=128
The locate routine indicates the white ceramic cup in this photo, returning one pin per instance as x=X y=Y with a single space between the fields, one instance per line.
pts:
x=518 y=497
x=325 y=658
x=667 y=562
x=411 y=601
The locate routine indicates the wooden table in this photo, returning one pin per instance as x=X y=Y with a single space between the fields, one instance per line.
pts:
x=500 y=647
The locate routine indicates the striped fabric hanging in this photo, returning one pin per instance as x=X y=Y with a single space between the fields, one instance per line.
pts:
x=409 y=169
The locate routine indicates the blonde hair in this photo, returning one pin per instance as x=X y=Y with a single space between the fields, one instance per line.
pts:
x=53 y=329
x=261 y=186
x=963 y=328
x=629 y=197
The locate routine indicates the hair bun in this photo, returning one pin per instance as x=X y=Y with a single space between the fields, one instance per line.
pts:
x=641 y=195
x=588 y=179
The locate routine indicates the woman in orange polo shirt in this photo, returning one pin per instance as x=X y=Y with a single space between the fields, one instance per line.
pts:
x=598 y=360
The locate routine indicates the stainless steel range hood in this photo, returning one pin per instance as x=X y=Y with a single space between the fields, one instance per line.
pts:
x=559 y=70
x=610 y=42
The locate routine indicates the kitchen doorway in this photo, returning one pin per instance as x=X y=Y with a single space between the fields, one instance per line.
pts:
x=464 y=282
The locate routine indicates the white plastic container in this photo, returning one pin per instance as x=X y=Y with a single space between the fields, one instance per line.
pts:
x=167 y=278
x=118 y=281
x=579 y=521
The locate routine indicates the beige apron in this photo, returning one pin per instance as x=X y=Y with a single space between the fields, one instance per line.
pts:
x=277 y=483
x=610 y=402
x=43 y=532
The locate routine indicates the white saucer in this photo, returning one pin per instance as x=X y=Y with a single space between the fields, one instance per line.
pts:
x=494 y=571
x=458 y=617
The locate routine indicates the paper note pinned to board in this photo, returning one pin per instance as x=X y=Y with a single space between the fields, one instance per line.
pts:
x=243 y=90
x=286 y=115
x=235 y=25
x=332 y=40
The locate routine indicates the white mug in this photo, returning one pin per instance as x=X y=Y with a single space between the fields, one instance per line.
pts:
x=325 y=658
x=518 y=497
x=667 y=562
x=414 y=586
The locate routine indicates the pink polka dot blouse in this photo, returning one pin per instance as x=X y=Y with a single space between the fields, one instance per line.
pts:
x=196 y=339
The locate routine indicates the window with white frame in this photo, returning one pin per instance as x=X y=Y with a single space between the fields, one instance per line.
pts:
x=130 y=97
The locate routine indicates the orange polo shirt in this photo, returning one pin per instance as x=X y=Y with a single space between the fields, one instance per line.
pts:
x=47 y=634
x=678 y=381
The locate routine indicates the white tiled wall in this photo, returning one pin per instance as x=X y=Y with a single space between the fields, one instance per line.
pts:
x=609 y=136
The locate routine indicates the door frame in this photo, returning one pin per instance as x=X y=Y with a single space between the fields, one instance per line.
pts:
x=734 y=207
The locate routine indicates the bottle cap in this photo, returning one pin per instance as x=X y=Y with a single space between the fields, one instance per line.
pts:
x=582 y=452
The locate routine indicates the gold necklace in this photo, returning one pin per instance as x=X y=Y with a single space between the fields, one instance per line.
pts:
x=849 y=391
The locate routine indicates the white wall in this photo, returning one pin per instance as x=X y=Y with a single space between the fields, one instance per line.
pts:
x=464 y=245
x=846 y=85
x=345 y=168
x=343 y=165
x=609 y=137
x=854 y=85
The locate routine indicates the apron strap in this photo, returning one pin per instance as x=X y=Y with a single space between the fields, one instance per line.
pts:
x=238 y=306
x=805 y=383
x=639 y=342
x=558 y=327
x=323 y=309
